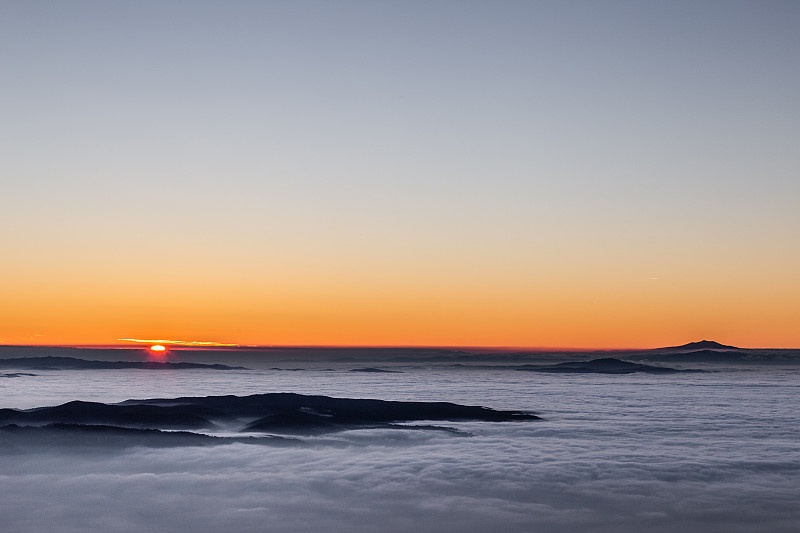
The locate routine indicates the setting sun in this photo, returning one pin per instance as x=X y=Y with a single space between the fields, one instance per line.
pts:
x=157 y=348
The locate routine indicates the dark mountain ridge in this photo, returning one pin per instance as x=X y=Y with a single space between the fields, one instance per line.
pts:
x=16 y=439
x=50 y=362
x=283 y=413
x=700 y=345
x=606 y=365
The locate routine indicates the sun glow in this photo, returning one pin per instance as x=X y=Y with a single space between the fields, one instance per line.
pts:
x=157 y=352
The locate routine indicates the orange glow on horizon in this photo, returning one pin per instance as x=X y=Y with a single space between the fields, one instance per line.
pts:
x=471 y=309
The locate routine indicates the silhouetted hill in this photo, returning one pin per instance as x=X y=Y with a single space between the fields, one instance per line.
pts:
x=268 y=413
x=136 y=416
x=606 y=365
x=72 y=363
x=701 y=345
x=374 y=370
x=77 y=437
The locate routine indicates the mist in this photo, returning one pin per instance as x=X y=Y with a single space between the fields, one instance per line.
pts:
x=530 y=477
x=648 y=452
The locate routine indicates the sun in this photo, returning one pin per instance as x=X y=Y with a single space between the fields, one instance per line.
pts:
x=157 y=352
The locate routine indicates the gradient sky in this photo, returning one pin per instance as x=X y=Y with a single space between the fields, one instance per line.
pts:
x=563 y=173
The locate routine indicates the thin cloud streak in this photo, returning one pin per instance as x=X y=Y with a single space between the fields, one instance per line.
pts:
x=179 y=343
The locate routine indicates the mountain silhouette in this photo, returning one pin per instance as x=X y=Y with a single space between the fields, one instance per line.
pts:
x=701 y=345
x=282 y=413
x=92 y=438
x=73 y=363
x=607 y=365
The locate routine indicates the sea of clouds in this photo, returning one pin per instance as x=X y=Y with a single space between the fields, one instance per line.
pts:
x=712 y=452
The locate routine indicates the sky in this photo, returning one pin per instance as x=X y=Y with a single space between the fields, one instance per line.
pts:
x=451 y=173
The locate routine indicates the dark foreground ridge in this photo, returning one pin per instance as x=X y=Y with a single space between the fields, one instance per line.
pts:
x=92 y=437
x=607 y=365
x=73 y=363
x=281 y=413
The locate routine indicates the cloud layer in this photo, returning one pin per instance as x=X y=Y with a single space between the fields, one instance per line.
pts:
x=506 y=476
x=646 y=453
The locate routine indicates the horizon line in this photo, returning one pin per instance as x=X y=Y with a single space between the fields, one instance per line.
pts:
x=235 y=347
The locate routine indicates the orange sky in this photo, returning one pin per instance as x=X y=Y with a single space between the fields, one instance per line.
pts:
x=497 y=307
x=538 y=175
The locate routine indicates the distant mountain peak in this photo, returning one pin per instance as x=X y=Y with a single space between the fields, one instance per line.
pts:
x=702 y=345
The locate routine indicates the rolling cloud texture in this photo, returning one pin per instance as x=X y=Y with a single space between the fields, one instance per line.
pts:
x=423 y=481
